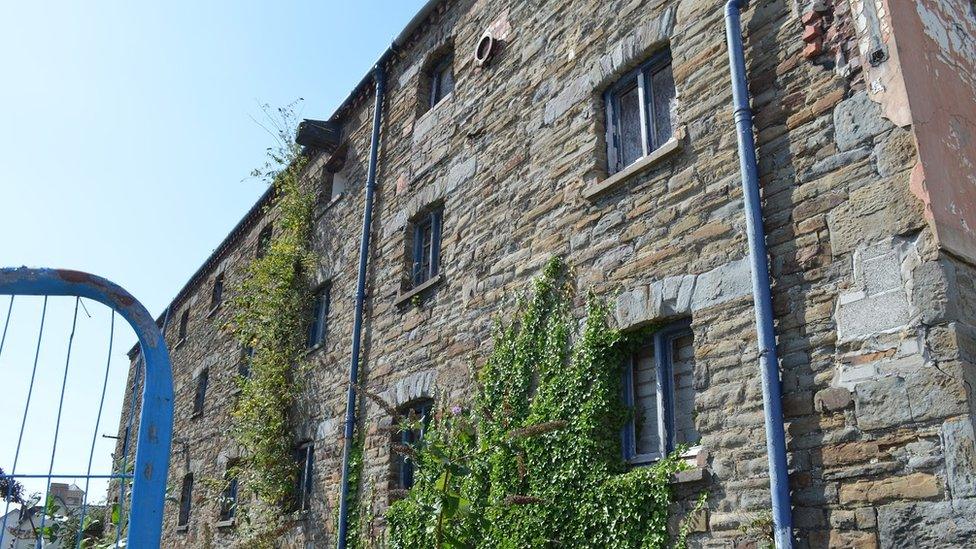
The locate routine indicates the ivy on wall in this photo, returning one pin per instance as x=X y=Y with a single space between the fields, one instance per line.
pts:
x=269 y=316
x=537 y=462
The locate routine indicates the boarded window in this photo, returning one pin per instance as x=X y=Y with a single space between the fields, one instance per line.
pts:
x=318 y=323
x=639 y=112
x=659 y=388
x=186 y=500
x=415 y=417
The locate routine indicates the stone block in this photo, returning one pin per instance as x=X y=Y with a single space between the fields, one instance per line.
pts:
x=927 y=524
x=874 y=211
x=881 y=403
x=857 y=120
x=913 y=486
x=895 y=153
x=959 y=444
x=832 y=399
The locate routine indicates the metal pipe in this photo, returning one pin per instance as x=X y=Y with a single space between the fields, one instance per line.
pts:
x=763 y=304
x=379 y=78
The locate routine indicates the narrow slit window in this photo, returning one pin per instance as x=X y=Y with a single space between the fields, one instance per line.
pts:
x=639 y=112
x=201 y=393
x=186 y=500
x=318 y=324
x=184 y=322
x=218 y=291
x=427 y=247
x=228 y=497
x=304 y=459
x=244 y=363
x=264 y=241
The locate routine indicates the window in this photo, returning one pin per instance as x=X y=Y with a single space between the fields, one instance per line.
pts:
x=218 y=291
x=426 y=246
x=184 y=321
x=186 y=495
x=201 y=393
x=441 y=78
x=244 y=363
x=417 y=415
x=335 y=185
x=639 y=112
x=228 y=498
x=658 y=386
x=264 y=241
x=318 y=325
x=304 y=458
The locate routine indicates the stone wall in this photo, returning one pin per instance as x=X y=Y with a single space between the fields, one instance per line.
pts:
x=875 y=322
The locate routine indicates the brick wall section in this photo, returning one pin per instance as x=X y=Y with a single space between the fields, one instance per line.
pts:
x=875 y=324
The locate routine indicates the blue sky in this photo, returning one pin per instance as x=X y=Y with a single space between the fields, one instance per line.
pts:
x=126 y=138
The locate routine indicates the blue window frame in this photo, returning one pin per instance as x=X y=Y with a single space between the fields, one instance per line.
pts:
x=441 y=80
x=319 y=322
x=228 y=499
x=305 y=458
x=639 y=112
x=417 y=413
x=427 y=246
x=651 y=375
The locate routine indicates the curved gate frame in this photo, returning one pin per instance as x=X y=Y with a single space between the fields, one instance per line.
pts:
x=156 y=414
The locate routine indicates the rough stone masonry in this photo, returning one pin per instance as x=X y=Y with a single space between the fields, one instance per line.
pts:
x=866 y=129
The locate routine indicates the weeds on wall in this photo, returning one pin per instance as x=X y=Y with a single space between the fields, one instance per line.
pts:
x=269 y=317
x=537 y=461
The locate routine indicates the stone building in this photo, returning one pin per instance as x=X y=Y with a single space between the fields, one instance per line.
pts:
x=603 y=132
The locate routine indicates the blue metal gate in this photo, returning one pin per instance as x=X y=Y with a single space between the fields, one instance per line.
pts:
x=139 y=518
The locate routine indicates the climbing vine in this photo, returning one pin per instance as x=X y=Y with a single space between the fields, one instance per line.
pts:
x=269 y=318
x=537 y=461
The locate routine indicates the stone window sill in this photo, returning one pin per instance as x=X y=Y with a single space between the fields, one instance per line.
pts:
x=315 y=348
x=196 y=415
x=405 y=297
x=322 y=209
x=229 y=523
x=183 y=528
x=689 y=476
x=659 y=154
x=213 y=310
x=179 y=344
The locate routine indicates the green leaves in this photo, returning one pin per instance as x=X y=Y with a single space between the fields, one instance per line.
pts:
x=537 y=463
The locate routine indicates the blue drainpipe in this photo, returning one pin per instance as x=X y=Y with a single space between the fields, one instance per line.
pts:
x=779 y=486
x=379 y=79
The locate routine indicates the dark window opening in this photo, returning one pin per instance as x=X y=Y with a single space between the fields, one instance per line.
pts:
x=441 y=78
x=416 y=416
x=658 y=386
x=264 y=241
x=201 y=394
x=218 y=291
x=639 y=112
x=228 y=498
x=186 y=495
x=319 y=322
x=304 y=459
x=184 y=321
x=244 y=363
x=426 y=246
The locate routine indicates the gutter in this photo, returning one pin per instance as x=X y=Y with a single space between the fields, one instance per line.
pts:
x=357 y=328
x=758 y=258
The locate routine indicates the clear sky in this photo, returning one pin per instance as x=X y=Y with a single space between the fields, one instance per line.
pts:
x=126 y=138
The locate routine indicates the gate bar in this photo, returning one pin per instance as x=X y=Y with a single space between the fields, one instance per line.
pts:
x=156 y=413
